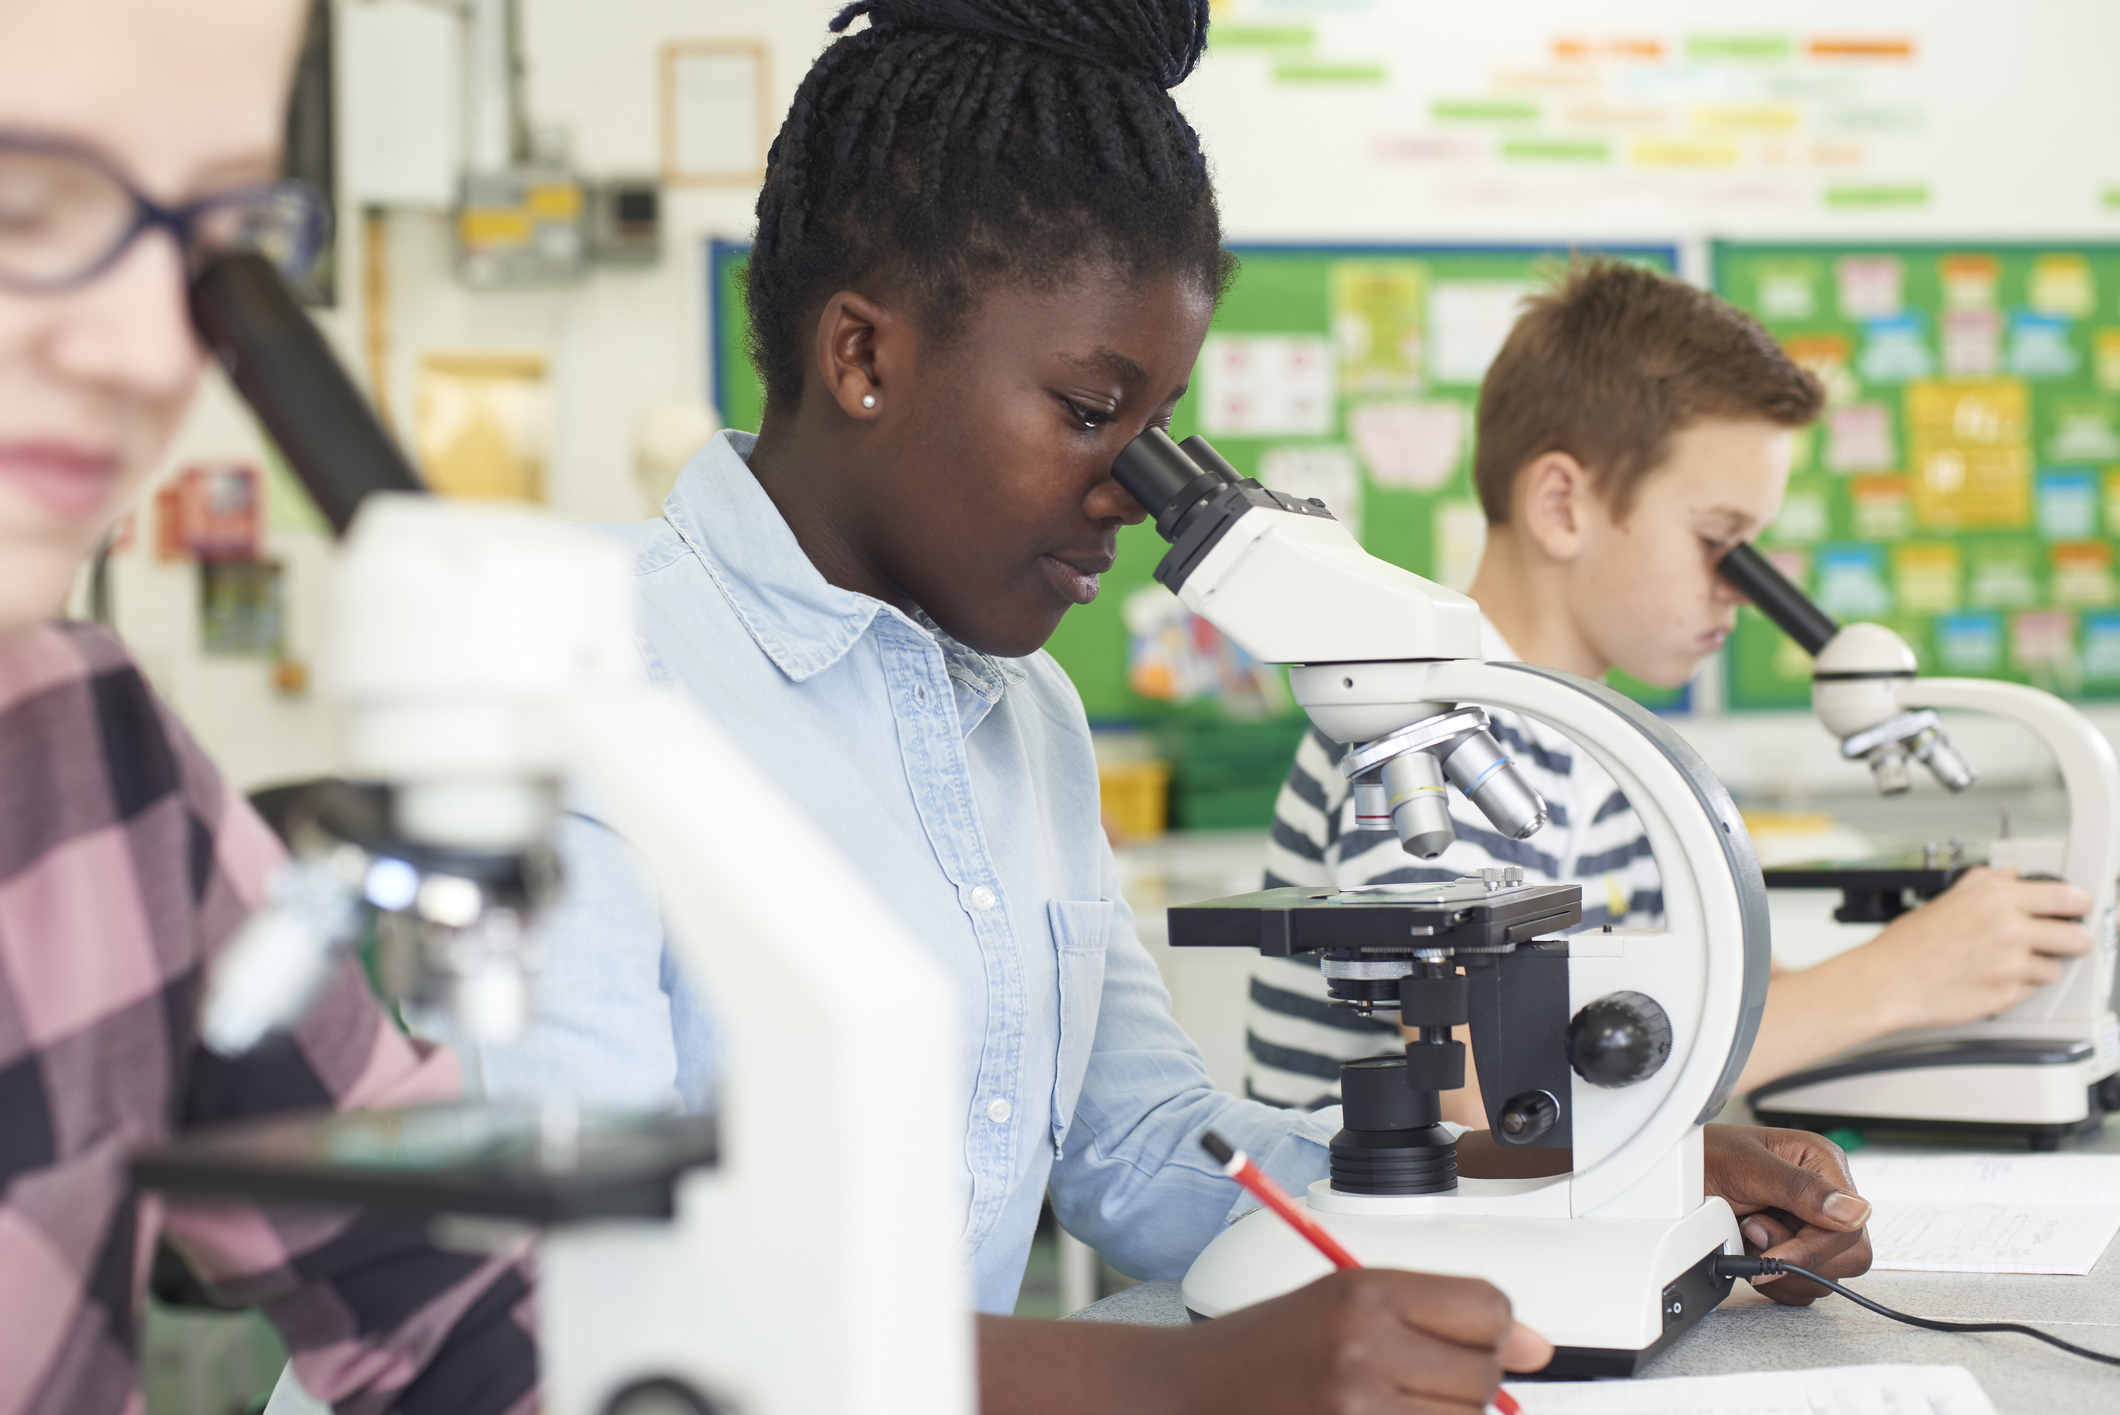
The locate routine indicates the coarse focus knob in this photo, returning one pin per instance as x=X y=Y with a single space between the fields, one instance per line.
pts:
x=1620 y=1039
x=1524 y=1118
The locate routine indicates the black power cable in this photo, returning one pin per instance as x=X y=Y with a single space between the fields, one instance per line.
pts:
x=1730 y=1265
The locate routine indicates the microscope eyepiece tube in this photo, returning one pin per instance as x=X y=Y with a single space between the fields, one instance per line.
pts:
x=281 y=365
x=1753 y=576
x=1417 y=804
x=1168 y=479
x=1479 y=767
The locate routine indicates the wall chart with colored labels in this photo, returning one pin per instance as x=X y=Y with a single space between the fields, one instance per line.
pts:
x=1963 y=484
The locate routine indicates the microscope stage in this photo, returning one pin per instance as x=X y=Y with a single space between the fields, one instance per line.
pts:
x=1466 y=915
x=489 y=1161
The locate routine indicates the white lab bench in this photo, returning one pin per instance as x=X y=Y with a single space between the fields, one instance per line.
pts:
x=1750 y=1333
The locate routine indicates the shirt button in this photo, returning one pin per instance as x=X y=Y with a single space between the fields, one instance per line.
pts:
x=998 y=1110
x=982 y=898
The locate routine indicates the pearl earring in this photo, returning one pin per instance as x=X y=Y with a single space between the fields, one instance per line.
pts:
x=868 y=400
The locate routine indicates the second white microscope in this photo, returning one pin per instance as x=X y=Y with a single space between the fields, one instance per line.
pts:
x=1615 y=1046
x=2045 y=1067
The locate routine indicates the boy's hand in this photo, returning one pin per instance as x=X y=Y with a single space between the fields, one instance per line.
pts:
x=1366 y=1340
x=1981 y=947
x=1794 y=1200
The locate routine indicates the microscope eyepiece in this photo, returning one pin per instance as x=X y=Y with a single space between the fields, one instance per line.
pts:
x=287 y=373
x=1754 y=576
x=1170 y=478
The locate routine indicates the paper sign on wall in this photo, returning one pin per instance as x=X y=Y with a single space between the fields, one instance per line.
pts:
x=1460 y=538
x=1467 y=322
x=1266 y=385
x=1410 y=446
x=1869 y=286
x=1970 y=643
x=1972 y=468
x=210 y=510
x=1926 y=576
x=2083 y=573
x=1881 y=508
x=2043 y=639
x=1851 y=582
x=1328 y=474
x=2068 y=506
x=1378 y=321
x=2061 y=285
x=1859 y=438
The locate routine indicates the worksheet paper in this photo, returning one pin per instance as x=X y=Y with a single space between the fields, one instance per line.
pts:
x=1831 y=1390
x=1990 y=1213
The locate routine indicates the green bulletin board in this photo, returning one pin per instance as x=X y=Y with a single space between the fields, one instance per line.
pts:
x=1963 y=486
x=1349 y=373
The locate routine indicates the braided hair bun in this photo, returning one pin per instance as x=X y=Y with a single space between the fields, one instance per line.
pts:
x=1160 y=42
x=951 y=145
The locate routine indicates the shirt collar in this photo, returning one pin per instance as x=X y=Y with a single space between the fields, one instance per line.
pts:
x=801 y=621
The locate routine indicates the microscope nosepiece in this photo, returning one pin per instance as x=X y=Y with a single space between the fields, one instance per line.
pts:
x=1479 y=767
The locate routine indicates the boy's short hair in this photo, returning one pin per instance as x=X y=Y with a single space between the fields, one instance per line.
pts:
x=1611 y=362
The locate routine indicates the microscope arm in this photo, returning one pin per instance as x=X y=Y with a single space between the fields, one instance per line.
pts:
x=2089 y=771
x=1707 y=967
x=1865 y=690
x=824 y=1153
x=2091 y=857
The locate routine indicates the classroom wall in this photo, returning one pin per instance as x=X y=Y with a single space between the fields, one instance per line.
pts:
x=1332 y=120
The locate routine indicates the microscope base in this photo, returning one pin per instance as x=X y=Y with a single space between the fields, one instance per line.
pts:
x=2041 y=1089
x=1651 y=1277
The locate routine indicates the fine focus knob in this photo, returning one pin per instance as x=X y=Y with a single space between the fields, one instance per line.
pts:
x=1524 y=1118
x=1621 y=1038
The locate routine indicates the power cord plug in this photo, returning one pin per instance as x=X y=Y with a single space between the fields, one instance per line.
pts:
x=1735 y=1265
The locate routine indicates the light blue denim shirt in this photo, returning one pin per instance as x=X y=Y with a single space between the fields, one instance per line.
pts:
x=964 y=788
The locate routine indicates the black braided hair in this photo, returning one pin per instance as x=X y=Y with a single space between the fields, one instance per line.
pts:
x=955 y=143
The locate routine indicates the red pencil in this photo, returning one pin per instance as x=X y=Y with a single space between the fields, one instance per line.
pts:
x=1238 y=1166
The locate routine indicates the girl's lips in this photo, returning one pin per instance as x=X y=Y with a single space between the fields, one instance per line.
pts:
x=1075 y=586
x=70 y=482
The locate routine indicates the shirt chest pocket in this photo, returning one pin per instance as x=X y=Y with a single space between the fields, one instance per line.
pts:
x=1080 y=930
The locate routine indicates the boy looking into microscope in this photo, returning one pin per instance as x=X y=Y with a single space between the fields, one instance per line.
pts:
x=1632 y=430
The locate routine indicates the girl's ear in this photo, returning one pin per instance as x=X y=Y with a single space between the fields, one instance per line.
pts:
x=1554 y=497
x=855 y=336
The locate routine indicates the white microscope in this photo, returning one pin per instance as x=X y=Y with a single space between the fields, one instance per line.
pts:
x=483 y=653
x=2048 y=1066
x=1617 y=1046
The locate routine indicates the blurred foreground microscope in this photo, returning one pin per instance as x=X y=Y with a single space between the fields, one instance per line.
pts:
x=484 y=654
x=1615 y=1047
x=2049 y=1066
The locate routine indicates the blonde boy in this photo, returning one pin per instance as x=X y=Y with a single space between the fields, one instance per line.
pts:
x=1631 y=431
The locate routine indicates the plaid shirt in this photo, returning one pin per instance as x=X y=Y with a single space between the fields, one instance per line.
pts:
x=125 y=864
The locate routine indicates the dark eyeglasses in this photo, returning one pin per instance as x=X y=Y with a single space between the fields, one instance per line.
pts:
x=67 y=215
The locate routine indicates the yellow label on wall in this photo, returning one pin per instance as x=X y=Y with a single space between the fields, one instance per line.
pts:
x=486 y=228
x=1926 y=577
x=1972 y=466
x=2061 y=284
x=554 y=201
x=1379 y=325
x=2107 y=360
